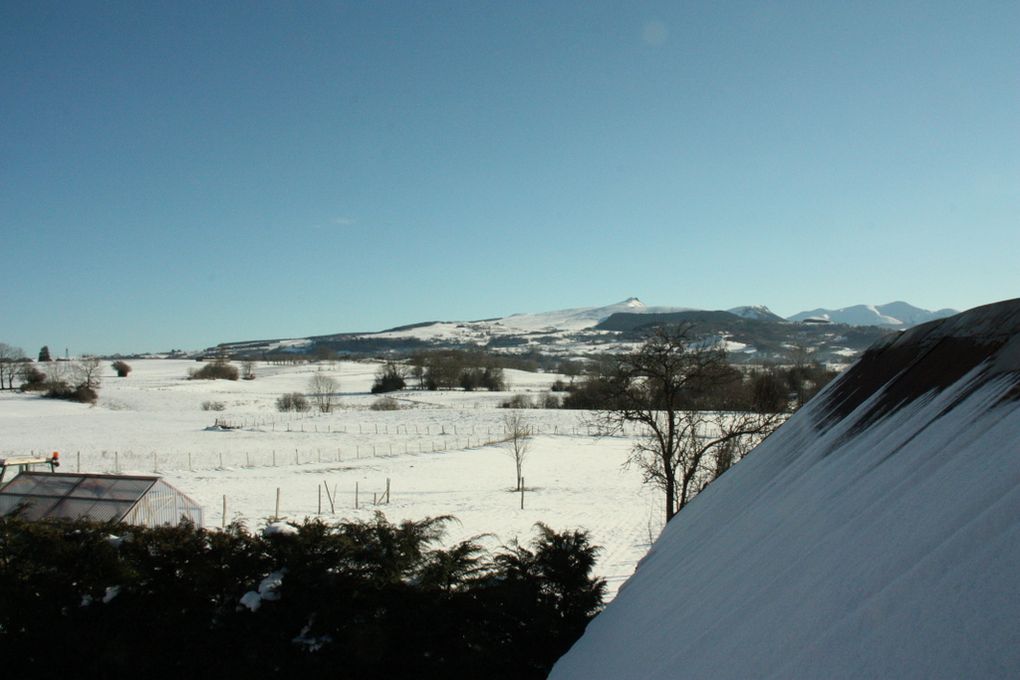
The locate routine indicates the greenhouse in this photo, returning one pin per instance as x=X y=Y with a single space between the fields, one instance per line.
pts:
x=133 y=499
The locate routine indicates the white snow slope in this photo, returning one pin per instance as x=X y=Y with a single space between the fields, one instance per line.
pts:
x=897 y=314
x=582 y=317
x=480 y=332
x=875 y=535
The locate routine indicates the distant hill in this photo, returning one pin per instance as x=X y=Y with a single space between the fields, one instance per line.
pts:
x=750 y=333
x=757 y=340
x=893 y=315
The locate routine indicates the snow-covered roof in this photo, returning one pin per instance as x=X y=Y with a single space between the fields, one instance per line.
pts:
x=874 y=535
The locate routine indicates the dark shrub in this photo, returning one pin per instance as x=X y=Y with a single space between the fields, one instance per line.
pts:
x=221 y=369
x=122 y=368
x=32 y=379
x=385 y=404
x=390 y=378
x=82 y=393
x=470 y=379
x=517 y=401
x=293 y=401
x=550 y=400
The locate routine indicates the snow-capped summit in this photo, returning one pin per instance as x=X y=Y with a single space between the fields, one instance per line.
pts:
x=756 y=312
x=893 y=314
x=579 y=318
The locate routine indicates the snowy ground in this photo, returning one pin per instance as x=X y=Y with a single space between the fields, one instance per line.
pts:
x=437 y=453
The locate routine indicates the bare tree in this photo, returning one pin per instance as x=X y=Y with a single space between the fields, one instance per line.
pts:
x=323 y=388
x=661 y=386
x=248 y=369
x=518 y=441
x=85 y=372
x=10 y=360
x=55 y=371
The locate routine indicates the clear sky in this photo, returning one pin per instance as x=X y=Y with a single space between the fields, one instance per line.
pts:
x=177 y=174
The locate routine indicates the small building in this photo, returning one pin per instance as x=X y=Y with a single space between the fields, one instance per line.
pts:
x=133 y=499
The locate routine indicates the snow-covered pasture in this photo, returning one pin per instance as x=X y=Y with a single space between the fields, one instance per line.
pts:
x=439 y=453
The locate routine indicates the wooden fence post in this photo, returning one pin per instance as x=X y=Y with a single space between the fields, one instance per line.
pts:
x=329 y=497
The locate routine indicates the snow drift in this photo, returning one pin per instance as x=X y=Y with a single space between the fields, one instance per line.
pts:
x=876 y=534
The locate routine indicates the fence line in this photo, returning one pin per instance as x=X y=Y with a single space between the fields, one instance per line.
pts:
x=420 y=439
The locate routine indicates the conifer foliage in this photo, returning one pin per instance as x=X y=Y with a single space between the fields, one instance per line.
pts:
x=366 y=599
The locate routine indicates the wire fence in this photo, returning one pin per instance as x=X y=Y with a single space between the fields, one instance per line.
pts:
x=347 y=443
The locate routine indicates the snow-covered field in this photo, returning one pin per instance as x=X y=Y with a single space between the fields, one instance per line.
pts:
x=438 y=453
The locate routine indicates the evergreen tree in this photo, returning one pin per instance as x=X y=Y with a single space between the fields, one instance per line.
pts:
x=44 y=353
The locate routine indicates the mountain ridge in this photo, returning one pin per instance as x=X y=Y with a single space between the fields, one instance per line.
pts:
x=753 y=332
x=896 y=314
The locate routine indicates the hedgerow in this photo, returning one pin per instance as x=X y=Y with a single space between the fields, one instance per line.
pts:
x=366 y=599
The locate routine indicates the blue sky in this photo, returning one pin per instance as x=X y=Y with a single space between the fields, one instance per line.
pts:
x=173 y=175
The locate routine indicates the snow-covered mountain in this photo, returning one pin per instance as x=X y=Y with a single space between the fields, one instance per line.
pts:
x=875 y=535
x=758 y=312
x=579 y=318
x=893 y=314
x=761 y=334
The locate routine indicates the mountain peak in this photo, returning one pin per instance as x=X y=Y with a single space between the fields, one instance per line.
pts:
x=894 y=314
x=758 y=312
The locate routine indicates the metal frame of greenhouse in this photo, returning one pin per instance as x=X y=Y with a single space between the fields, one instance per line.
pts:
x=133 y=499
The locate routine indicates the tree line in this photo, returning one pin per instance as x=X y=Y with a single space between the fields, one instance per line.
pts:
x=768 y=389
x=73 y=380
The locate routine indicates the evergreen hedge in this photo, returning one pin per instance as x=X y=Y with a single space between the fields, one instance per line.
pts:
x=357 y=599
